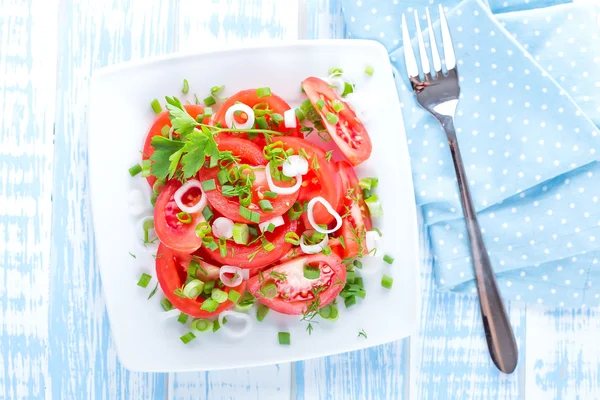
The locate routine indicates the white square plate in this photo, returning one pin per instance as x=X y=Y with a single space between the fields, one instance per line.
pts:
x=120 y=115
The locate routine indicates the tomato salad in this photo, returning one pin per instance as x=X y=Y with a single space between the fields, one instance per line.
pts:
x=247 y=209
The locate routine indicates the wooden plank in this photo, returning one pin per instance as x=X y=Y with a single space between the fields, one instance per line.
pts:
x=92 y=34
x=205 y=25
x=563 y=355
x=27 y=91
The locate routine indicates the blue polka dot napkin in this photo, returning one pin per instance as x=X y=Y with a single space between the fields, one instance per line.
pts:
x=527 y=128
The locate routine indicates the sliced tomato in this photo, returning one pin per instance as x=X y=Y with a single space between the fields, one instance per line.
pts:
x=254 y=255
x=170 y=230
x=295 y=293
x=161 y=120
x=229 y=207
x=171 y=270
x=356 y=221
x=321 y=180
x=349 y=134
x=272 y=103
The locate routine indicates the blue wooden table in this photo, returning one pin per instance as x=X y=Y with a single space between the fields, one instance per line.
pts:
x=54 y=334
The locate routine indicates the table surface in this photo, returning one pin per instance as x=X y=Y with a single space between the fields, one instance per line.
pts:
x=54 y=333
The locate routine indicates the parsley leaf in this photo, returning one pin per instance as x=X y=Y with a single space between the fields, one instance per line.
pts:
x=164 y=149
x=183 y=123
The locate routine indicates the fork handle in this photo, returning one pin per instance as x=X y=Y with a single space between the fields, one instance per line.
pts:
x=498 y=332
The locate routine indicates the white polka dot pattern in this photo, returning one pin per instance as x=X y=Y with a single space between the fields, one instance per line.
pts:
x=525 y=124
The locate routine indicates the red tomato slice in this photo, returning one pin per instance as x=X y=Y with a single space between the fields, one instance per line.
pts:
x=348 y=133
x=321 y=180
x=239 y=255
x=171 y=270
x=273 y=102
x=229 y=207
x=357 y=221
x=172 y=232
x=161 y=120
x=295 y=293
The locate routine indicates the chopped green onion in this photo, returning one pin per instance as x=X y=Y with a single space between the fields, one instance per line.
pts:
x=223 y=176
x=271 y=195
x=388 y=259
x=188 y=337
x=186 y=87
x=262 y=123
x=374 y=182
x=367 y=193
x=193 y=268
x=268 y=290
x=349 y=301
x=156 y=106
x=387 y=281
x=184 y=218
x=265 y=205
x=268 y=246
x=271 y=227
x=296 y=211
x=358 y=264
x=252 y=230
x=219 y=296
x=240 y=233
x=332 y=118
x=246 y=302
x=234 y=295
x=136 y=169
x=293 y=238
x=208 y=111
x=311 y=272
x=348 y=88
x=146 y=168
x=262 y=312
x=209 y=305
x=369 y=70
x=277 y=118
x=284 y=338
x=207 y=213
x=216 y=89
x=334 y=314
x=245 y=199
x=223 y=247
x=320 y=104
x=350 y=277
x=375 y=208
x=208 y=287
x=165 y=130
x=211 y=245
x=342 y=242
x=337 y=105
x=326 y=250
x=166 y=304
x=193 y=288
x=182 y=319
x=144 y=280
x=299 y=114
x=306 y=106
x=365 y=183
x=209 y=101
x=203 y=229
x=328 y=312
x=263 y=92
x=249 y=215
x=216 y=325
x=201 y=324
x=209 y=185
x=336 y=71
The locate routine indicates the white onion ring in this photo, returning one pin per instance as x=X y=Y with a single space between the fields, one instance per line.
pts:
x=229 y=121
x=372 y=239
x=289 y=118
x=282 y=190
x=137 y=202
x=192 y=183
x=277 y=221
x=230 y=269
x=313 y=248
x=223 y=228
x=242 y=316
x=245 y=274
x=336 y=81
x=330 y=210
x=170 y=314
x=295 y=165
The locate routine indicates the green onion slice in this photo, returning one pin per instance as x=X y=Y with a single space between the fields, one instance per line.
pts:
x=241 y=233
x=144 y=280
x=202 y=324
x=268 y=290
x=136 y=169
x=284 y=338
x=262 y=312
x=374 y=205
x=387 y=281
x=263 y=92
x=193 y=288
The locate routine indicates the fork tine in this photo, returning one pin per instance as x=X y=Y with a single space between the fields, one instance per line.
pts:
x=447 y=41
x=409 y=56
x=437 y=63
x=422 y=52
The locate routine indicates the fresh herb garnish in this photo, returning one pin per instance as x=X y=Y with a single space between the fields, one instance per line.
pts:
x=132 y=255
x=153 y=292
x=278 y=276
x=362 y=333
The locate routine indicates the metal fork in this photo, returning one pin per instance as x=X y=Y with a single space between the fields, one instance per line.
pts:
x=438 y=94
